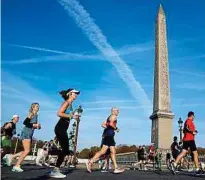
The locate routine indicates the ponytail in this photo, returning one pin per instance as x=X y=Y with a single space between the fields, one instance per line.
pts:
x=63 y=94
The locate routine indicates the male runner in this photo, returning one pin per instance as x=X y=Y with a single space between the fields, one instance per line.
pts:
x=8 y=130
x=175 y=148
x=188 y=142
x=108 y=142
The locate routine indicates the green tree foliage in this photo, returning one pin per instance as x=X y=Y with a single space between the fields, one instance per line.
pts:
x=84 y=154
x=201 y=151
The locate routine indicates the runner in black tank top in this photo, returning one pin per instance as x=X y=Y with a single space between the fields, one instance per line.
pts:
x=108 y=141
x=66 y=114
x=9 y=129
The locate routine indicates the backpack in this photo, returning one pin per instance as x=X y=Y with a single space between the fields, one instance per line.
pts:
x=3 y=133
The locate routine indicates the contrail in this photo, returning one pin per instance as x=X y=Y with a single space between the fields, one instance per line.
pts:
x=54 y=51
x=55 y=58
x=64 y=57
x=67 y=56
x=95 y=35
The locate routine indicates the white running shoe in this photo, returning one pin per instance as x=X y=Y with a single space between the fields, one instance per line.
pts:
x=8 y=160
x=117 y=171
x=39 y=164
x=17 y=169
x=46 y=164
x=57 y=174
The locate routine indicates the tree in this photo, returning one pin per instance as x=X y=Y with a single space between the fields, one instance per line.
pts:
x=123 y=149
x=93 y=150
x=84 y=154
x=133 y=148
x=201 y=151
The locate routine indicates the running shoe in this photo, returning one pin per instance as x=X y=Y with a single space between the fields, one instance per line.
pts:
x=199 y=172
x=17 y=169
x=39 y=164
x=46 y=164
x=190 y=170
x=8 y=160
x=57 y=174
x=173 y=169
x=104 y=169
x=118 y=171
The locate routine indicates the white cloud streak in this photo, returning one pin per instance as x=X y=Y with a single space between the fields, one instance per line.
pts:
x=65 y=56
x=44 y=50
x=68 y=56
x=95 y=35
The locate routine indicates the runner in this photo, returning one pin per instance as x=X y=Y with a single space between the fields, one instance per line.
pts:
x=175 y=148
x=66 y=114
x=151 y=154
x=31 y=123
x=108 y=141
x=168 y=160
x=159 y=159
x=142 y=157
x=139 y=157
x=69 y=160
x=188 y=142
x=53 y=150
x=42 y=154
x=8 y=130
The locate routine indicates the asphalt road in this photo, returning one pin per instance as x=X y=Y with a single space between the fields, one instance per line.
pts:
x=32 y=172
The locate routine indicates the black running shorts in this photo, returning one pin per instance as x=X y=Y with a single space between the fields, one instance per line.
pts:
x=108 y=141
x=189 y=144
x=175 y=154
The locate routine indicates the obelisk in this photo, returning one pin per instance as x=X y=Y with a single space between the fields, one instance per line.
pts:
x=162 y=115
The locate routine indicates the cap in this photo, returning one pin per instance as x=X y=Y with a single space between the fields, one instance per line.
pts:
x=15 y=116
x=74 y=91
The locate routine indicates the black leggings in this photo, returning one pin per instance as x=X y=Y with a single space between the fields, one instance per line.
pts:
x=62 y=137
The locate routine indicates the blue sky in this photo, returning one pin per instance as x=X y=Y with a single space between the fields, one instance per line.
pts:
x=49 y=45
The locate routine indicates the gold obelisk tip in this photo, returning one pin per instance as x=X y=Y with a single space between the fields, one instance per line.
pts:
x=161 y=10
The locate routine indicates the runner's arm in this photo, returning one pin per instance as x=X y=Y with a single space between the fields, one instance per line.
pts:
x=104 y=124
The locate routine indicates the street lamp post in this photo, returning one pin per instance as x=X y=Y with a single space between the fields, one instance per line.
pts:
x=79 y=111
x=180 y=123
x=18 y=135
